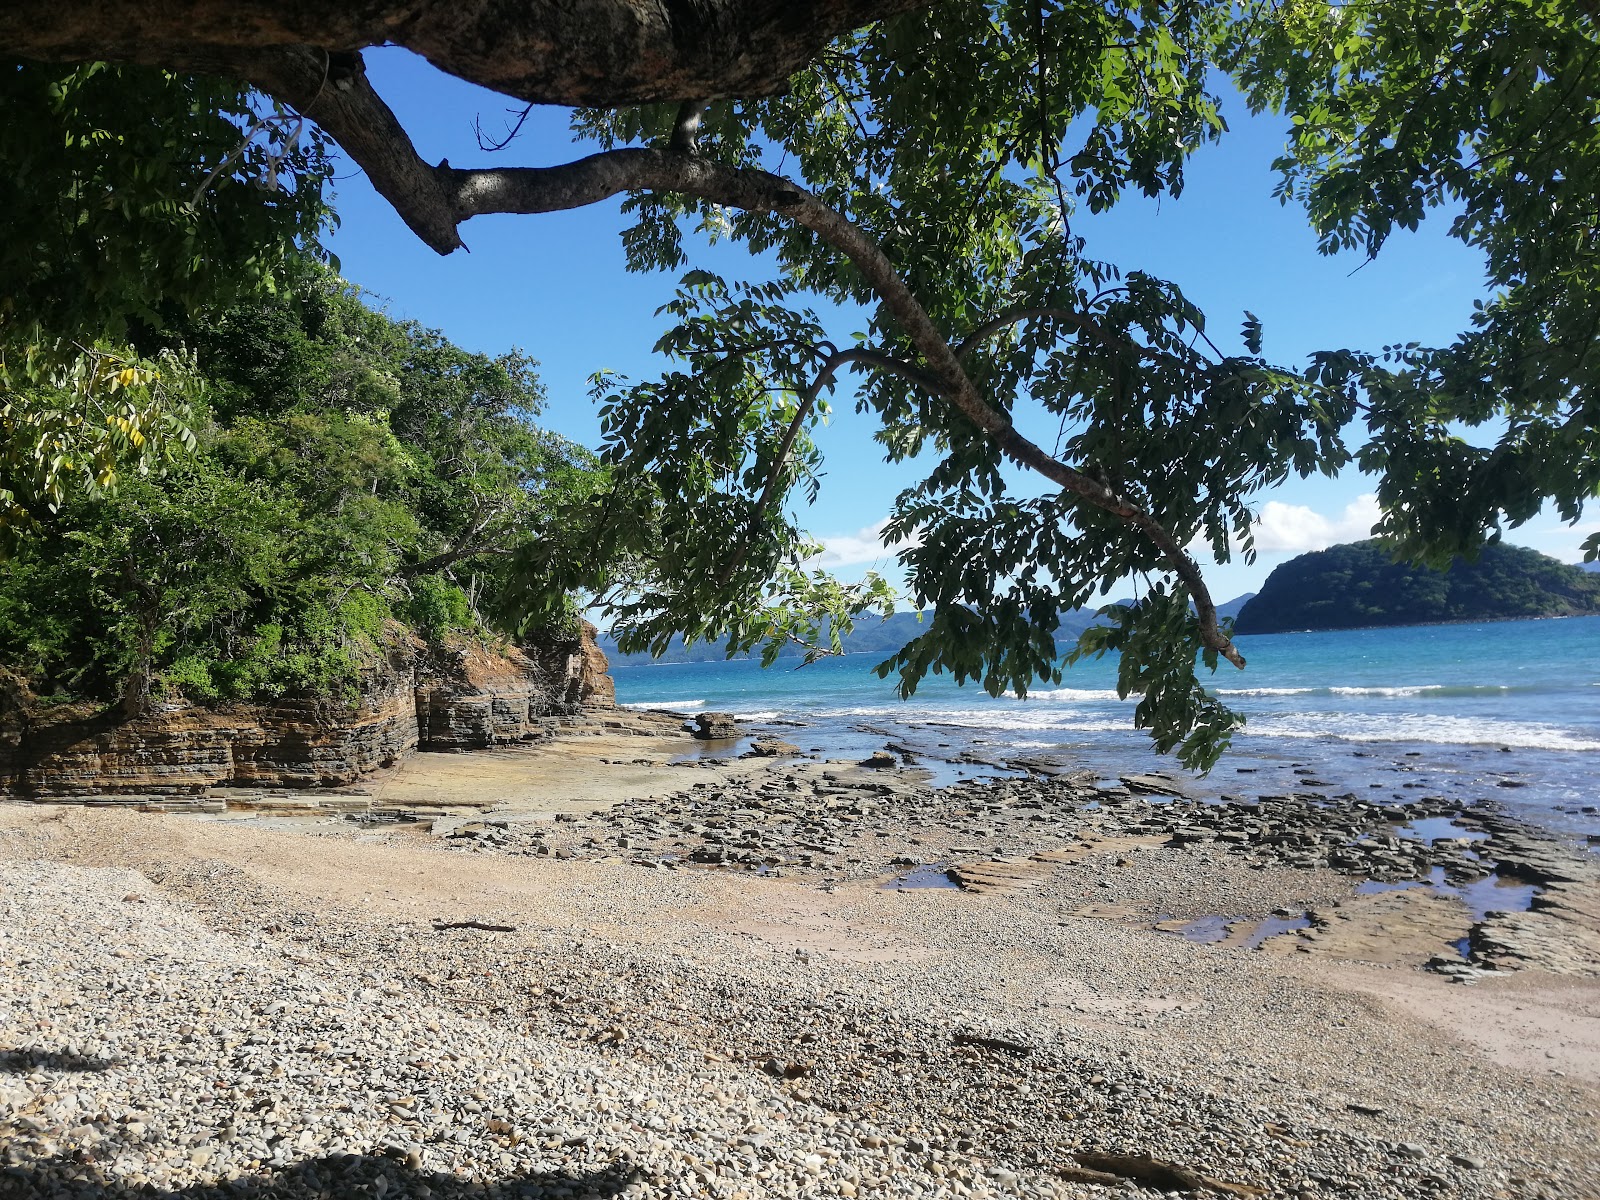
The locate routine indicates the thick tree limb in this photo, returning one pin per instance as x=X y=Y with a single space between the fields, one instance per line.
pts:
x=599 y=53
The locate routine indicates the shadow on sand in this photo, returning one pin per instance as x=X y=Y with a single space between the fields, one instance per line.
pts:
x=27 y=1059
x=333 y=1178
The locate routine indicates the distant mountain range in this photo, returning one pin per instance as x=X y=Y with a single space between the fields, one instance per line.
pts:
x=870 y=637
x=1358 y=585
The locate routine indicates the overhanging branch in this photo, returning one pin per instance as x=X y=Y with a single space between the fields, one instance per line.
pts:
x=594 y=53
x=546 y=189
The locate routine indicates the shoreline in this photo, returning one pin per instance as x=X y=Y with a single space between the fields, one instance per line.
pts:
x=467 y=1008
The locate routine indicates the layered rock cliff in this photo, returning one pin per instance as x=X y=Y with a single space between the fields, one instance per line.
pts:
x=464 y=697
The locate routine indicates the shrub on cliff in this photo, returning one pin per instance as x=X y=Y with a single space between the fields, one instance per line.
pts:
x=363 y=472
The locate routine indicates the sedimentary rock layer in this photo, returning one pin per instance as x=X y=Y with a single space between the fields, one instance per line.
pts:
x=465 y=697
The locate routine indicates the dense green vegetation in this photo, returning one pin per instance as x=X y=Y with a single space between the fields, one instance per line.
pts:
x=354 y=480
x=1362 y=584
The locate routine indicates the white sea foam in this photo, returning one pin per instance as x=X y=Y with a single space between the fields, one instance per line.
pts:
x=1043 y=720
x=1439 y=730
x=1416 y=690
x=677 y=705
x=1078 y=694
x=1400 y=691
x=1268 y=691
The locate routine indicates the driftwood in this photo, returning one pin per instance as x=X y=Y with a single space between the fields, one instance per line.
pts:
x=1020 y=1049
x=440 y=926
x=1157 y=1173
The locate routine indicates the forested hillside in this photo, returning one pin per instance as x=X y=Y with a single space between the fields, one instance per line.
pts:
x=1360 y=584
x=354 y=481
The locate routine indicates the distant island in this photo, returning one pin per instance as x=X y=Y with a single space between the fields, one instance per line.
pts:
x=1359 y=585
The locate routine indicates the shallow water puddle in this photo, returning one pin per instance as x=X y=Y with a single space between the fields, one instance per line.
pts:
x=1206 y=930
x=1493 y=893
x=1242 y=932
x=1436 y=829
x=1271 y=927
x=928 y=875
x=715 y=751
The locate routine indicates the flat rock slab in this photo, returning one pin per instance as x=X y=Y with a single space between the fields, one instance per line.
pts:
x=1008 y=874
x=1391 y=928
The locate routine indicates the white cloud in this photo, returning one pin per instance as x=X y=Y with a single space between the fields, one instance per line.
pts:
x=865 y=545
x=1295 y=528
x=1549 y=535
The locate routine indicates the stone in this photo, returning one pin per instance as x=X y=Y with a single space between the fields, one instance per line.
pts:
x=715 y=726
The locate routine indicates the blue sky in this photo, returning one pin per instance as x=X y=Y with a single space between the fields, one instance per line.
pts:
x=555 y=285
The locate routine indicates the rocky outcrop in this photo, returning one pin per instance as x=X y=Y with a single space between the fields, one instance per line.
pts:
x=463 y=697
x=715 y=726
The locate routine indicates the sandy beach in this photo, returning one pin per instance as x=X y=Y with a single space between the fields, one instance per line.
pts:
x=722 y=978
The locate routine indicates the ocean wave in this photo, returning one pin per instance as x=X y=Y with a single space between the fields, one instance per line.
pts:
x=1033 y=722
x=1436 y=730
x=1441 y=690
x=1079 y=694
x=1268 y=691
x=676 y=705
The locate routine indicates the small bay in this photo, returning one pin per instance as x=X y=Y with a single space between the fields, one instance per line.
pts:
x=1506 y=711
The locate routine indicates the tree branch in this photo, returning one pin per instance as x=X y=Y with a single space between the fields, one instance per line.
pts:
x=595 y=53
x=808 y=401
x=546 y=189
x=1018 y=315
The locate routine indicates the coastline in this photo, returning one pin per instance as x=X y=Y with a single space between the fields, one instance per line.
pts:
x=509 y=1000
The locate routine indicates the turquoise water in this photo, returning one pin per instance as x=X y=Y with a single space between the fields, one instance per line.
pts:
x=1508 y=711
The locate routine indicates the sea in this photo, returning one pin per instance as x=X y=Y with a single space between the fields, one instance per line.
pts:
x=1507 y=711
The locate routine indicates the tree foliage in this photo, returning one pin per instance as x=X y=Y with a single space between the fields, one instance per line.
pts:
x=130 y=196
x=364 y=478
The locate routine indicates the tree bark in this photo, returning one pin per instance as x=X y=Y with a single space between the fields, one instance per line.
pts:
x=598 y=53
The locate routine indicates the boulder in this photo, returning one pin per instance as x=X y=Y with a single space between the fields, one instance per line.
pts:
x=715 y=726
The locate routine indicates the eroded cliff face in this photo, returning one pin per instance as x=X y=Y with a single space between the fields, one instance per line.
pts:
x=466 y=697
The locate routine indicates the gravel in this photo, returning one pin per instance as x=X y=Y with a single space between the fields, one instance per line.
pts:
x=188 y=1009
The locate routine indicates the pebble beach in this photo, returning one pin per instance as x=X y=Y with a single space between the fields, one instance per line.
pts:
x=796 y=979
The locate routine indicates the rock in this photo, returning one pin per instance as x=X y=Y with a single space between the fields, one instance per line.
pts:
x=460 y=697
x=771 y=747
x=880 y=760
x=715 y=726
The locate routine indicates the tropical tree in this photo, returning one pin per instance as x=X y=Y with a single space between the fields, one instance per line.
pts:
x=927 y=162
x=129 y=195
